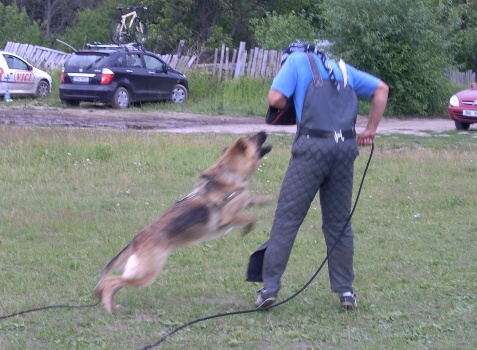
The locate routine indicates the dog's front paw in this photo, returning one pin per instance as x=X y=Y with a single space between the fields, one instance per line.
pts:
x=268 y=199
x=111 y=307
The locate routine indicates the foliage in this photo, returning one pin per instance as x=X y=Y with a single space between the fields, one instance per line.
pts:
x=466 y=36
x=200 y=23
x=54 y=16
x=168 y=23
x=15 y=26
x=218 y=38
x=398 y=45
x=276 y=32
x=92 y=26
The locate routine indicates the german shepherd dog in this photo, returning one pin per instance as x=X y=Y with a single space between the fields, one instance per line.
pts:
x=208 y=212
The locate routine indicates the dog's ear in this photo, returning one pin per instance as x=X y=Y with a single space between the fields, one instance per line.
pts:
x=239 y=146
x=242 y=145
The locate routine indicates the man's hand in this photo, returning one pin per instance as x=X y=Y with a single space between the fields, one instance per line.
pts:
x=366 y=137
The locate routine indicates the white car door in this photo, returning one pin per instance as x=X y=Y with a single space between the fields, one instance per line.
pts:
x=18 y=77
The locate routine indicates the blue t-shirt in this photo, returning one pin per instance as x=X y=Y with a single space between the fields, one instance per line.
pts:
x=295 y=75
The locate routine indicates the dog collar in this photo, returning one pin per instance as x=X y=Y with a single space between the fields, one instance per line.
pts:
x=197 y=190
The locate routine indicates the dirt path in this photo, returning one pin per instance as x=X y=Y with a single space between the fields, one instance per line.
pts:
x=107 y=118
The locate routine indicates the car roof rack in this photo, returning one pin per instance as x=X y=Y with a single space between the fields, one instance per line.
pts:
x=129 y=46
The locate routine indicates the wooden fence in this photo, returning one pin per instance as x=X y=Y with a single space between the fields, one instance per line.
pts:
x=39 y=56
x=256 y=63
x=228 y=64
x=464 y=78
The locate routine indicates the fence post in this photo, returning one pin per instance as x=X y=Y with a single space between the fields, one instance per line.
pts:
x=241 y=58
x=214 y=67
x=227 y=64
x=221 y=61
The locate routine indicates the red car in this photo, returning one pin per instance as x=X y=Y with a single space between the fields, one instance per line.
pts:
x=462 y=108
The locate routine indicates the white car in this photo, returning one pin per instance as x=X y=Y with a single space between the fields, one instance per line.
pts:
x=19 y=77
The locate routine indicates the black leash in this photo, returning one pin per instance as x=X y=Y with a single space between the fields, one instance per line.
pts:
x=150 y=346
x=49 y=307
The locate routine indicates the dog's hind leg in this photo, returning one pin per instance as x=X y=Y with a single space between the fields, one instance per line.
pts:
x=140 y=271
x=111 y=286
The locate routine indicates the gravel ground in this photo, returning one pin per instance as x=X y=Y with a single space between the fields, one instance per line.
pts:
x=107 y=118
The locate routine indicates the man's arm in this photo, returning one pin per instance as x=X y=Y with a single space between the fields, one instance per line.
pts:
x=378 y=105
x=276 y=99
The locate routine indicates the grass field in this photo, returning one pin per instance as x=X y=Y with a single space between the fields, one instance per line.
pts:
x=72 y=199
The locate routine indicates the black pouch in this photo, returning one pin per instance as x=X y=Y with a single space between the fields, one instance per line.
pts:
x=255 y=264
x=285 y=116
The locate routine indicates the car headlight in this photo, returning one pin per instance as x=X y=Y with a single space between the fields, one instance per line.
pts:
x=454 y=101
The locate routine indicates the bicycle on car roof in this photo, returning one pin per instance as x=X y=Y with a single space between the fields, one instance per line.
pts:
x=136 y=30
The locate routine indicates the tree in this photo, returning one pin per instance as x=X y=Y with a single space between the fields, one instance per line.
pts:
x=205 y=24
x=53 y=15
x=276 y=32
x=92 y=26
x=466 y=36
x=15 y=26
x=399 y=41
x=201 y=23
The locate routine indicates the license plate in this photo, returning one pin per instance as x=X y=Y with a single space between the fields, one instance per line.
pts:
x=468 y=113
x=80 y=79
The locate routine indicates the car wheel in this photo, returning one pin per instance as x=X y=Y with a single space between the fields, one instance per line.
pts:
x=121 y=98
x=179 y=94
x=43 y=89
x=71 y=102
x=461 y=125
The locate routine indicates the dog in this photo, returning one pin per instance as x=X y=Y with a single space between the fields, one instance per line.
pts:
x=212 y=209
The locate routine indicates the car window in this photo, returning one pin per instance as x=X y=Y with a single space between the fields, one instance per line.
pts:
x=86 y=61
x=153 y=63
x=15 y=63
x=120 y=61
x=133 y=60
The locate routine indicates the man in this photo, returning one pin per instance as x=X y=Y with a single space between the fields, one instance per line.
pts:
x=323 y=155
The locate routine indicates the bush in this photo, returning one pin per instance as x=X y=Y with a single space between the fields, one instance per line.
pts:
x=399 y=46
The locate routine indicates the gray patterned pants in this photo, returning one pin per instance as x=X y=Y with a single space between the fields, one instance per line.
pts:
x=316 y=165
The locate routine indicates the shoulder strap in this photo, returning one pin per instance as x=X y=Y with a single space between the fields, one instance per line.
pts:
x=317 y=80
x=342 y=65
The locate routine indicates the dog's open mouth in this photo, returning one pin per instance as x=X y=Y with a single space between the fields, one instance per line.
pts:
x=260 y=139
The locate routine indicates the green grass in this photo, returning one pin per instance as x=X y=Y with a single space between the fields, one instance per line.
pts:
x=72 y=199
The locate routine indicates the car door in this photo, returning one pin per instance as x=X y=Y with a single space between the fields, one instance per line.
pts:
x=138 y=76
x=129 y=68
x=160 y=82
x=3 y=83
x=18 y=75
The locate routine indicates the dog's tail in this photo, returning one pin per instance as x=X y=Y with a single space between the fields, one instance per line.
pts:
x=116 y=263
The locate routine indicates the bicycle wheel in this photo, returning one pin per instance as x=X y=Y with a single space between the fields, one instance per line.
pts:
x=140 y=32
x=117 y=36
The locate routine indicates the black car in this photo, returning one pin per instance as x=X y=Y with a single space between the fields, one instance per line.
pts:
x=119 y=76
